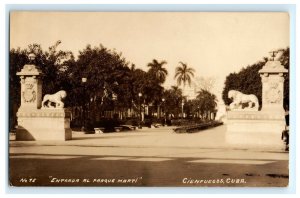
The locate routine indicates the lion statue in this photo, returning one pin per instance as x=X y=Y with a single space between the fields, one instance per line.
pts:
x=56 y=98
x=239 y=99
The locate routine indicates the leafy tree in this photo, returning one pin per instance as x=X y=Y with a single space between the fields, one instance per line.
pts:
x=150 y=88
x=17 y=59
x=173 y=98
x=108 y=81
x=247 y=81
x=204 y=104
x=112 y=84
x=207 y=103
x=54 y=65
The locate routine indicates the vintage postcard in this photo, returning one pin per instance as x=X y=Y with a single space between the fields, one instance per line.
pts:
x=163 y=99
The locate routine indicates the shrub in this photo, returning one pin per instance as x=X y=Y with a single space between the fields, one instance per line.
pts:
x=132 y=121
x=108 y=124
x=197 y=127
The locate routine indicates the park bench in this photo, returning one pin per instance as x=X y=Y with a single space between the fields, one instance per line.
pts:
x=128 y=127
x=99 y=130
x=157 y=125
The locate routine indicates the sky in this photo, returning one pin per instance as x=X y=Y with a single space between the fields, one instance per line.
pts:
x=214 y=44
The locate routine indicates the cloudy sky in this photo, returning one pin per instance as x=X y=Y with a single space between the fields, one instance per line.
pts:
x=214 y=44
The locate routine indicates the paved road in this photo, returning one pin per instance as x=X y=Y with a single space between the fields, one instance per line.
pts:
x=147 y=157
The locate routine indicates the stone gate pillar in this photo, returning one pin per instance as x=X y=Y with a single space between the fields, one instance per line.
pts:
x=34 y=121
x=272 y=77
x=261 y=129
x=31 y=86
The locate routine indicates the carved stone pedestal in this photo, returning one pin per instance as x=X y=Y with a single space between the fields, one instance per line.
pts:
x=43 y=124
x=256 y=129
x=35 y=123
x=272 y=77
x=260 y=129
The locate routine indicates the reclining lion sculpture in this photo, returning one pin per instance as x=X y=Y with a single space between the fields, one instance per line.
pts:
x=56 y=98
x=239 y=99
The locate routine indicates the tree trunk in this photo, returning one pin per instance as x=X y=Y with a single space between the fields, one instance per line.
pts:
x=158 y=111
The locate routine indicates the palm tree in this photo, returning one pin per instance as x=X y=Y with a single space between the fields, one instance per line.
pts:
x=157 y=69
x=183 y=74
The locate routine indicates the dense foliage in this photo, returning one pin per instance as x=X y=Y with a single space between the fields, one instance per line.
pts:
x=112 y=82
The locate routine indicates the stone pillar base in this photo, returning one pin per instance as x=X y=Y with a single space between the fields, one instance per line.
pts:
x=255 y=129
x=43 y=124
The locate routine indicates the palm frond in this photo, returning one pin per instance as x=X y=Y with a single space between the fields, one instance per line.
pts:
x=177 y=74
x=179 y=81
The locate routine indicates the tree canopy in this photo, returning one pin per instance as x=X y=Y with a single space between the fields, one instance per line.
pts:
x=112 y=81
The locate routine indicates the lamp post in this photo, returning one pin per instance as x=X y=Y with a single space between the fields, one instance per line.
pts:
x=182 y=104
x=140 y=113
x=163 y=100
x=114 y=98
x=84 y=80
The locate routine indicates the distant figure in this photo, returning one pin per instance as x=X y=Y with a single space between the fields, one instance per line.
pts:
x=287 y=116
x=285 y=136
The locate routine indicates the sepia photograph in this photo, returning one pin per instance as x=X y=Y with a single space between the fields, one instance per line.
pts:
x=148 y=99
